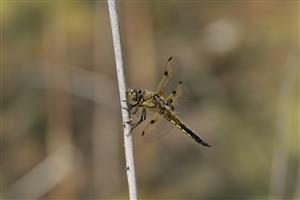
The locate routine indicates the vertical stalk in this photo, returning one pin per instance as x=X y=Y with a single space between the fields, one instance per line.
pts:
x=124 y=108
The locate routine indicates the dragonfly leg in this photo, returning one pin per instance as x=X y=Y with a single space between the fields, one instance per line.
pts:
x=127 y=109
x=136 y=110
x=130 y=110
x=134 y=105
x=129 y=121
x=130 y=106
x=143 y=118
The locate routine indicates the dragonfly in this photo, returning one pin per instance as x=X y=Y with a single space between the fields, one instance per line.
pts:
x=161 y=104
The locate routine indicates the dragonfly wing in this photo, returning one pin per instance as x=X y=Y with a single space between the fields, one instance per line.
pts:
x=155 y=128
x=166 y=76
x=177 y=92
x=154 y=121
x=180 y=98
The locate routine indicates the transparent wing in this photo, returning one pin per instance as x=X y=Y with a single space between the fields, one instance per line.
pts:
x=167 y=73
x=179 y=96
x=171 y=75
x=151 y=124
x=156 y=128
x=175 y=94
x=153 y=128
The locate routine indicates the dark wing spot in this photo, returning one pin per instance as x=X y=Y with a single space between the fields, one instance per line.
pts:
x=170 y=58
x=180 y=82
x=152 y=121
x=172 y=107
x=174 y=92
x=166 y=73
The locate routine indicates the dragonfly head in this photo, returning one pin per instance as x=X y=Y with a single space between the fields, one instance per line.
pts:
x=135 y=94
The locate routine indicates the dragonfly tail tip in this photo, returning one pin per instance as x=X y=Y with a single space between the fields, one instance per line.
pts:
x=207 y=145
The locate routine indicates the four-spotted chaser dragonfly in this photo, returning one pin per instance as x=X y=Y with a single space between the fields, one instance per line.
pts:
x=160 y=104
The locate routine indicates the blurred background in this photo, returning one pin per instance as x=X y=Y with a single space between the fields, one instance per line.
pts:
x=61 y=126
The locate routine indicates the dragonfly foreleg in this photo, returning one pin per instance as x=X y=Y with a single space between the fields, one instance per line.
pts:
x=127 y=109
x=130 y=107
x=143 y=118
x=136 y=110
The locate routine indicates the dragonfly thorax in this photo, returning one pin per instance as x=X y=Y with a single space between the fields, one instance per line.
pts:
x=163 y=103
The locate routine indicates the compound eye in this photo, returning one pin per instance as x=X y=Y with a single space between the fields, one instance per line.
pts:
x=139 y=91
x=133 y=92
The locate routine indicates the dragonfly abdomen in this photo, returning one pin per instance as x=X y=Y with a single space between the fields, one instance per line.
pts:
x=181 y=126
x=194 y=136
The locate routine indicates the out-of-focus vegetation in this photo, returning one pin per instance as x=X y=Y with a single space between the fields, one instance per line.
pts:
x=61 y=129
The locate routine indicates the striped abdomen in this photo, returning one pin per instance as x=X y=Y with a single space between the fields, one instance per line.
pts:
x=181 y=126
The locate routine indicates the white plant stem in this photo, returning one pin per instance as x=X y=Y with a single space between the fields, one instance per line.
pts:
x=124 y=108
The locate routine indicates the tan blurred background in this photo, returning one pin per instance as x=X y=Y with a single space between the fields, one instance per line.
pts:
x=61 y=128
